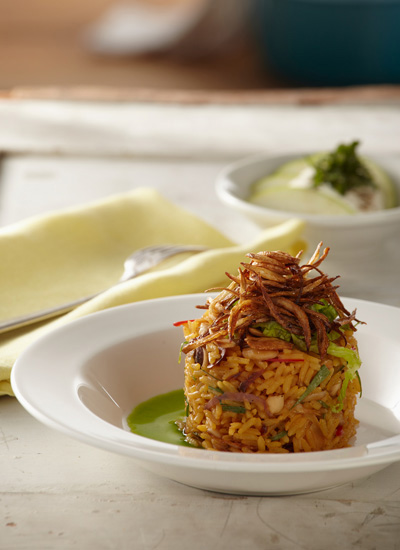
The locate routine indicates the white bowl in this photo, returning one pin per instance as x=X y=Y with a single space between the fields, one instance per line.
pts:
x=84 y=379
x=362 y=246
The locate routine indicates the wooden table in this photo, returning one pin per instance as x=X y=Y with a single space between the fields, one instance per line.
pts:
x=57 y=493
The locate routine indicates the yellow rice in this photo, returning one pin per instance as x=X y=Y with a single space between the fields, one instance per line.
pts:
x=271 y=366
x=280 y=379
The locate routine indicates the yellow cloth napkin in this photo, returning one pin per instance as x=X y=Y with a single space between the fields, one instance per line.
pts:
x=62 y=256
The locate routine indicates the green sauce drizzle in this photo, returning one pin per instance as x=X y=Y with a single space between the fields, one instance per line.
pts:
x=155 y=418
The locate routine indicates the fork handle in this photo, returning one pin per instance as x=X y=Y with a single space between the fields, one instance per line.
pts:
x=49 y=313
x=43 y=314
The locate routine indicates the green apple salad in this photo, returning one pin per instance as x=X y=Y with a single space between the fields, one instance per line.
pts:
x=336 y=183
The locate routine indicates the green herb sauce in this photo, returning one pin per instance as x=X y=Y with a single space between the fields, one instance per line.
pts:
x=156 y=417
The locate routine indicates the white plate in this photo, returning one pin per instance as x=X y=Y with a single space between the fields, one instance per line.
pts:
x=84 y=378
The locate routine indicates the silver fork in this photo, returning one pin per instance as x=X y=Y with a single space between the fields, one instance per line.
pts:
x=138 y=262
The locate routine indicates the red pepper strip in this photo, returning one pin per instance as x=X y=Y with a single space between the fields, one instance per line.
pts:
x=179 y=323
x=281 y=360
x=339 y=431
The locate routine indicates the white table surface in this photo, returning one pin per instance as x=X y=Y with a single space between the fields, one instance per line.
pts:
x=58 y=493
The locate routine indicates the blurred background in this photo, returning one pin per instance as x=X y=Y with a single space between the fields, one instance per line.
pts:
x=199 y=44
x=161 y=44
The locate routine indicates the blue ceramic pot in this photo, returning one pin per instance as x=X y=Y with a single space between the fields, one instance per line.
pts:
x=330 y=42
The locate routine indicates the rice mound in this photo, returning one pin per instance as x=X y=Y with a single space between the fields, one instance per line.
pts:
x=263 y=376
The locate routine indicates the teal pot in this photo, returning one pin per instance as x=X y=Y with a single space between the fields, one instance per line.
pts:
x=330 y=42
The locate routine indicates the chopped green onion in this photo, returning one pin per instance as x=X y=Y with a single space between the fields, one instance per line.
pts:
x=339 y=405
x=218 y=390
x=299 y=342
x=315 y=382
x=323 y=404
x=209 y=374
x=326 y=309
x=334 y=335
x=233 y=408
x=353 y=363
x=349 y=355
x=349 y=375
x=359 y=380
x=279 y=435
x=272 y=329
x=180 y=351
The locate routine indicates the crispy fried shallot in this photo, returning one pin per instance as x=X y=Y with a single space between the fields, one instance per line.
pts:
x=274 y=286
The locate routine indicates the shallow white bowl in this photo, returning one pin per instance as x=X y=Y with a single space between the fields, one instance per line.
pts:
x=84 y=379
x=360 y=244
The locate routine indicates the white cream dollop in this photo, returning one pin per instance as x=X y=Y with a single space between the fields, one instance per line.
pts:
x=362 y=199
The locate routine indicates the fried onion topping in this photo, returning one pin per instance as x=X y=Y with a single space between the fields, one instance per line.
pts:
x=274 y=286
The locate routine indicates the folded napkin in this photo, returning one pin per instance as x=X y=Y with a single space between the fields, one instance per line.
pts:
x=62 y=256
